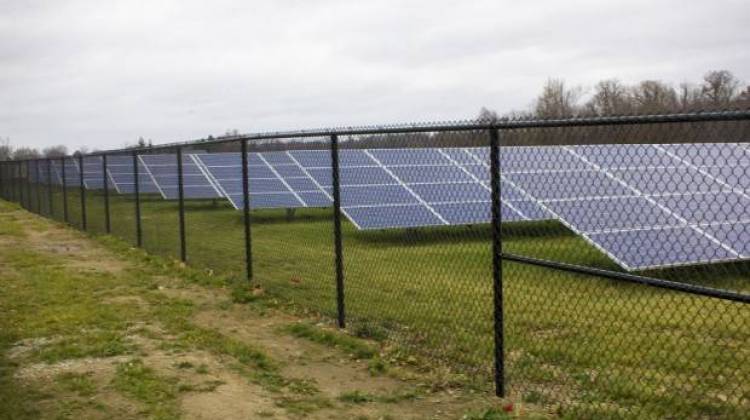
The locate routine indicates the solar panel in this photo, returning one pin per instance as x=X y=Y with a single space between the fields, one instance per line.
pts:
x=650 y=206
x=380 y=188
x=383 y=188
x=276 y=181
x=72 y=174
x=120 y=168
x=93 y=174
x=163 y=170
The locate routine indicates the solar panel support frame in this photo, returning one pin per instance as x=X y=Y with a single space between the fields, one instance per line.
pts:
x=338 y=245
x=497 y=263
x=246 y=212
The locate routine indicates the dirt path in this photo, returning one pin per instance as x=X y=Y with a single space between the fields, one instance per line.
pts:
x=92 y=333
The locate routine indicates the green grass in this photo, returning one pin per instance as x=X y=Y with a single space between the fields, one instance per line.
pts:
x=78 y=383
x=357 y=348
x=584 y=343
x=142 y=383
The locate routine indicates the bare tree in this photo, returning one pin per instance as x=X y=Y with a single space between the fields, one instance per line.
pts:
x=26 y=153
x=6 y=149
x=611 y=97
x=83 y=150
x=689 y=97
x=486 y=114
x=653 y=96
x=557 y=101
x=743 y=99
x=55 y=151
x=719 y=88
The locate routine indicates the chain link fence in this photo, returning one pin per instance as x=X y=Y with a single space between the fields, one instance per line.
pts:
x=592 y=267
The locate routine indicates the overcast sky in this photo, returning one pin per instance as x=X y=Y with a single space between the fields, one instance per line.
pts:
x=101 y=73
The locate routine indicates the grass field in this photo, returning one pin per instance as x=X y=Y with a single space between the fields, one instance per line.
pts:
x=593 y=346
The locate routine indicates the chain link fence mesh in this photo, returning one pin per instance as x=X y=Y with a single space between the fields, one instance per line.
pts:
x=624 y=275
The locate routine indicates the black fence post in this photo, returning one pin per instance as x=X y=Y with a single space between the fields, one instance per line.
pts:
x=19 y=183
x=338 y=247
x=136 y=191
x=82 y=187
x=105 y=187
x=3 y=181
x=50 y=197
x=38 y=178
x=181 y=197
x=246 y=212
x=64 y=190
x=29 y=207
x=497 y=262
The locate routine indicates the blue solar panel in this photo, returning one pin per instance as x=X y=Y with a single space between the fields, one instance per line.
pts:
x=446 y=193
x=366 y=175
x=732 y=175
x=72 y=174
x=736 y=235
x=408 y=157
x=276 y=180
x=667 y=199
x=668 y=180
x=660 y=247
x=437 y=179
x=612 y=156
x=564 y=185
x=163 y=170
x=93 y=177
x=601 y=214
x=431 y=174
x=711 y=207
x=392 y=216
x=122 y=175
x=709 y=154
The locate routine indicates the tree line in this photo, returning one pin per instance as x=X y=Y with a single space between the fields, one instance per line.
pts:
x=718 y=90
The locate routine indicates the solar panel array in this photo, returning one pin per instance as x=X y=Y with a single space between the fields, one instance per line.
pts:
x=380 y=188
x=645 y=206
x=384 y=188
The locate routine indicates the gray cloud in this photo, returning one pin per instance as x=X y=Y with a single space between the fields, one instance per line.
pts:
x=103 y=73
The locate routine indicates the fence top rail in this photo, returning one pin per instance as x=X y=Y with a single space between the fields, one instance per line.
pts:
x=471 y=125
